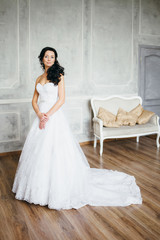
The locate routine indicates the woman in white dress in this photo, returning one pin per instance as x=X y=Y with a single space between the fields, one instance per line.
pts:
x=52 y=168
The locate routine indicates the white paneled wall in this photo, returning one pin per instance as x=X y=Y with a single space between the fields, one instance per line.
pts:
x=97 y=43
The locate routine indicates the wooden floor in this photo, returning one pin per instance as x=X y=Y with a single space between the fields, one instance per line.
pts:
x=20 y=220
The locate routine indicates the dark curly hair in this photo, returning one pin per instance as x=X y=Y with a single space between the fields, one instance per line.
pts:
x=53 y=72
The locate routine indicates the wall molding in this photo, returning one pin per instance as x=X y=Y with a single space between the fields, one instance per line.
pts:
x=75 y=85
x=132 y=55
x=140 y=23
x=11 y=85
x=11 y=101
x=19 y=127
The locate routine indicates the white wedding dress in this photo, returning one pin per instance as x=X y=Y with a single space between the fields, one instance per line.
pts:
x=53 y=170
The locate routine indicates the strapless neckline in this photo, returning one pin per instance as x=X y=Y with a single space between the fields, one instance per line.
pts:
x=44 y=84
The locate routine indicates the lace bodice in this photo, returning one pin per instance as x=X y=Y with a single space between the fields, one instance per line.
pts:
x=47 y=92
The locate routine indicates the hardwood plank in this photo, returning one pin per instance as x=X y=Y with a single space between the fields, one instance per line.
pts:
x=21 y=220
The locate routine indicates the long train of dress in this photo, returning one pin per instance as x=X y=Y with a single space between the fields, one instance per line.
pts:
x=53 y=170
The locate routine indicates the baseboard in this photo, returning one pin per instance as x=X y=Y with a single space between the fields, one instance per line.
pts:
x=82 y=144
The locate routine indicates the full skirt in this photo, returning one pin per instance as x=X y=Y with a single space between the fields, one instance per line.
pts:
x=53 y=170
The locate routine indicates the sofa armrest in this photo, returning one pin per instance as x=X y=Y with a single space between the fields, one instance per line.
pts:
x=98 y=126
x=154 y=120
x=98 y=120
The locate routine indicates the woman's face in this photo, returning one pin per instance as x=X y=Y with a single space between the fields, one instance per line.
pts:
x=49 y=58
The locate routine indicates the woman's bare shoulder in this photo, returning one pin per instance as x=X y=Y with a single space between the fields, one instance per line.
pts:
x=38 y=79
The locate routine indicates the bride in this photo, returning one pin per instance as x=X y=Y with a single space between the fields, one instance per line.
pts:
x=52 y=168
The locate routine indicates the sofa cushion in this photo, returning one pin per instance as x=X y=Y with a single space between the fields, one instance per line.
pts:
x=138 y=129
x=108 y=118
x=145 y=116
x=137 y=110
x=126 y=118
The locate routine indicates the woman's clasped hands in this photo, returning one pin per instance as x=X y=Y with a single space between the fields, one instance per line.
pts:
x=44 y=117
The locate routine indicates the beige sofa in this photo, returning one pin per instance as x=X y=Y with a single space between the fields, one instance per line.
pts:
x=112 y=104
